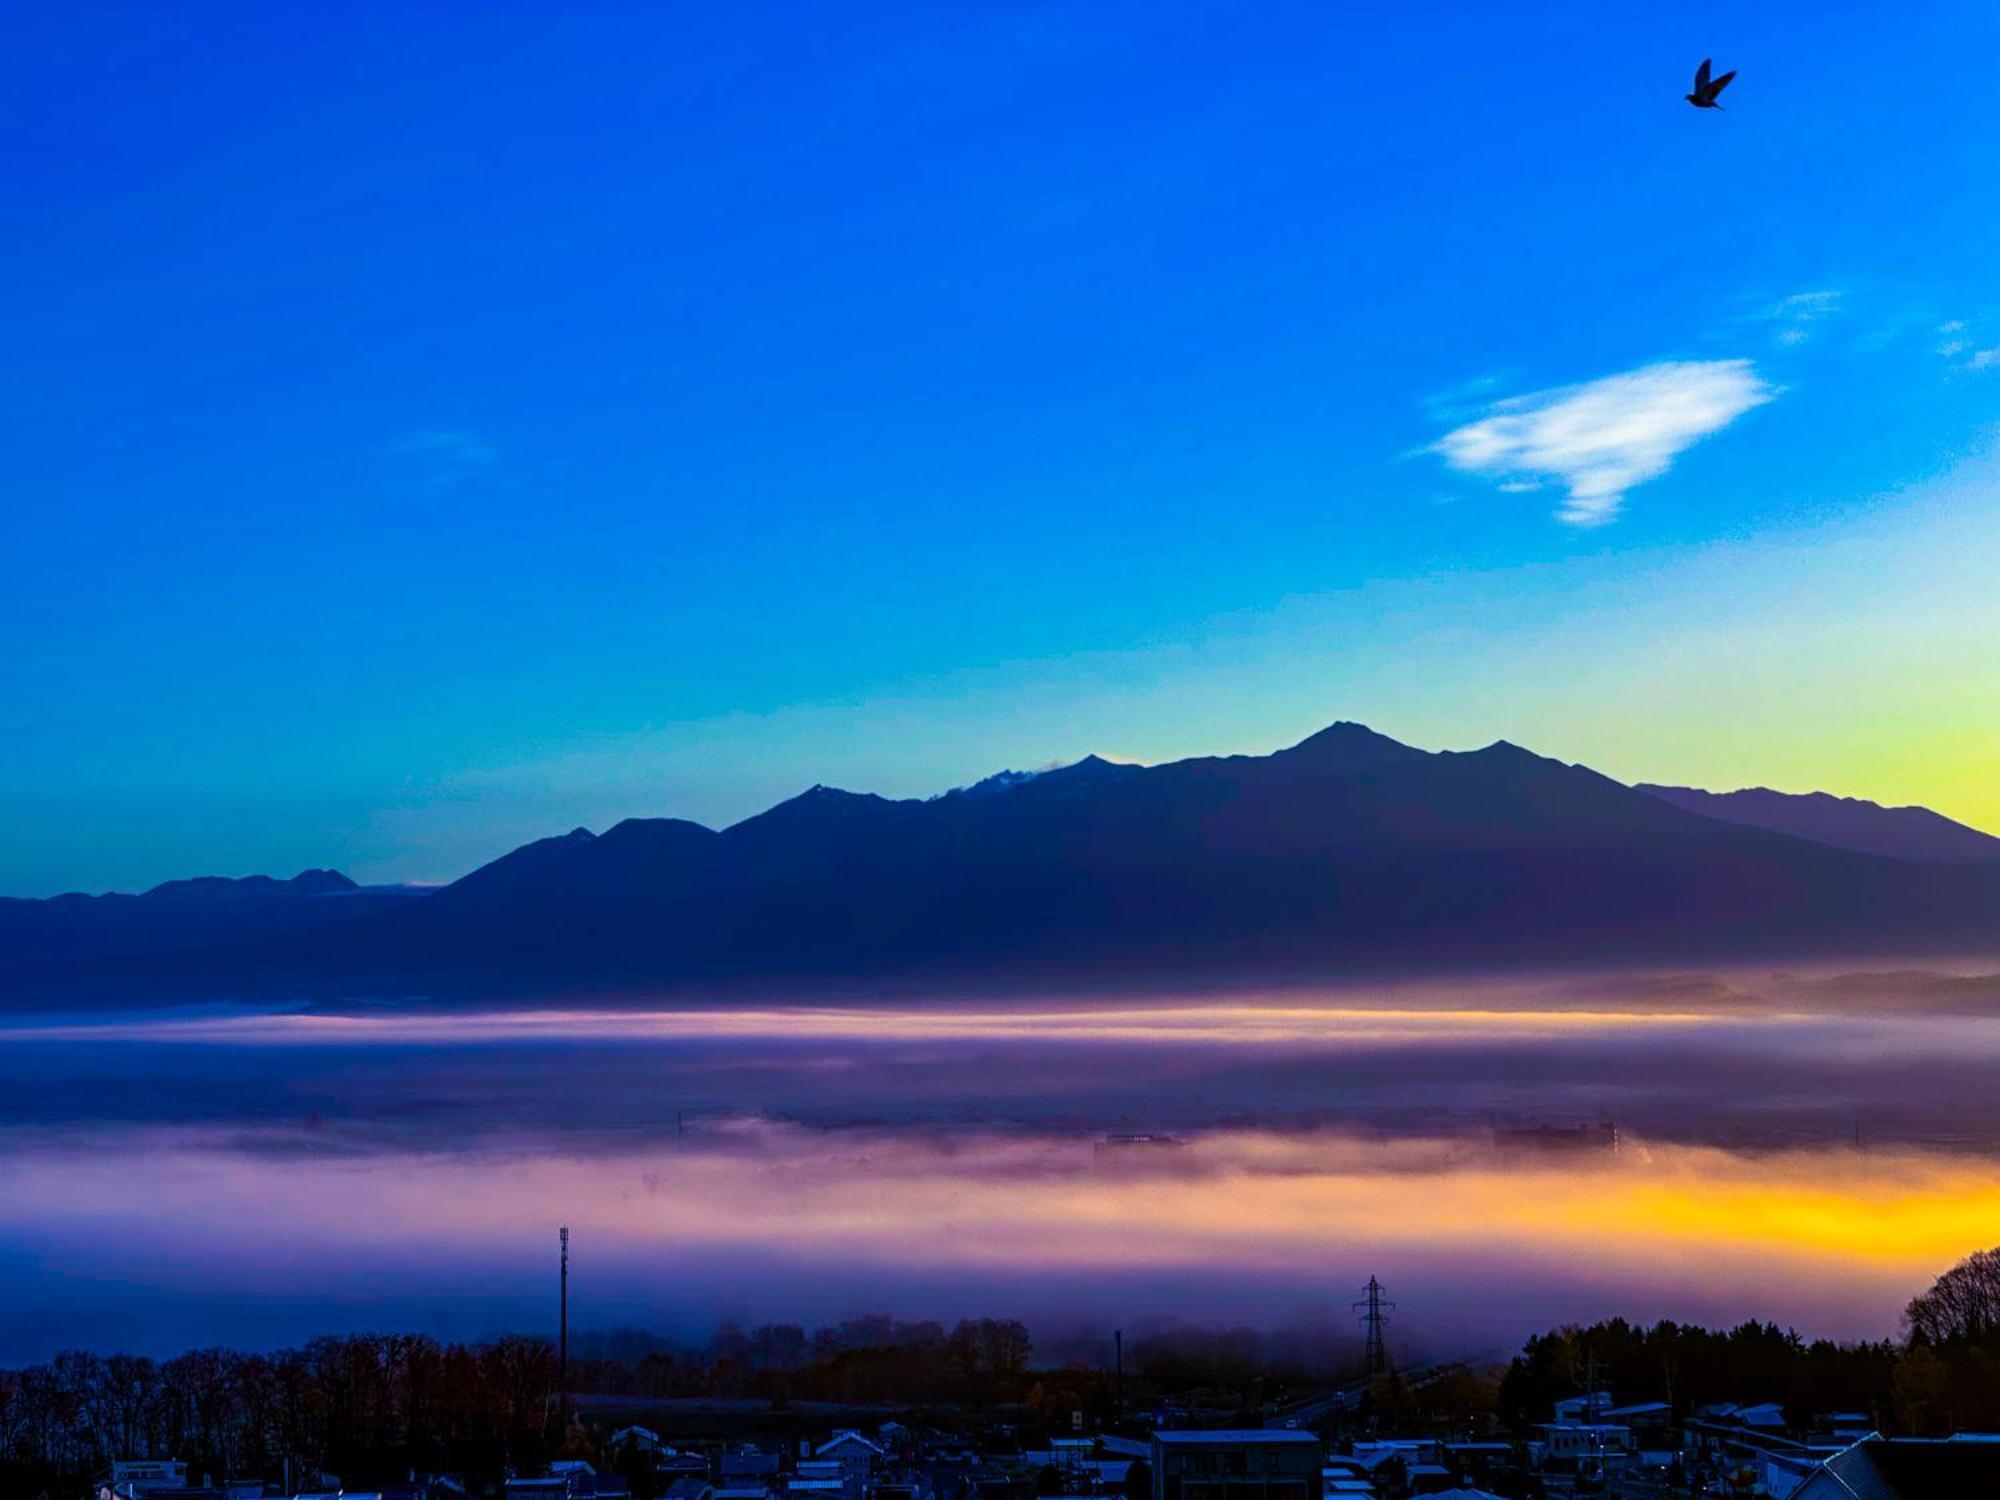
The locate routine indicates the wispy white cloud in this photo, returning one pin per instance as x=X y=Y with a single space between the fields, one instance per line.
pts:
x=443 y=459
x=1795 y=315
x=1955 y=343
x=1465 y=400
x=1600 y=439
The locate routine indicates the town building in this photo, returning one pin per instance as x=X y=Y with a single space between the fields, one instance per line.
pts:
x=567 y=1479
x=1580 y=1448
x=1559 y=1139
x=136 y=1478
x=1236 y=1464
x=1966 y=1467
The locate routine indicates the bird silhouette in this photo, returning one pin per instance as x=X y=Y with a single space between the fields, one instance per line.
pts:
x=1706 y=88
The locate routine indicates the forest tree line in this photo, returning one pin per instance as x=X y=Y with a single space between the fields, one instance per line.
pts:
x=372 y=1408
x=1942 y=1377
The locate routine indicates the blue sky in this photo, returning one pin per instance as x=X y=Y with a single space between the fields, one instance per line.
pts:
x=429 y=427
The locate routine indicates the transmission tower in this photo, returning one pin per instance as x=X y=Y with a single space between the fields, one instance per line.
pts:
x=562 y=1357
x=1373 y=1310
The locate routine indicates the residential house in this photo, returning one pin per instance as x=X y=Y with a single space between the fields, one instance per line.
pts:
x=1966 y=1467
x=852 y=1458
x=847 y=1445
x=748 y=1463
x=1236 y=1464
x=1125 y=1447
x=1594 y=1407
x=136 y=1478
x=567 y=1479
x=1580 y=1447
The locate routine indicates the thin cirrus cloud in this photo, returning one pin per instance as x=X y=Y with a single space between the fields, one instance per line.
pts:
x=1955 y=344
x=1602 y=438
x=1795 y=315
x=443 y=459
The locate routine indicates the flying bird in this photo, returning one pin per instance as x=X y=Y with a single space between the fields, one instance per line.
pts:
x=1706 y=88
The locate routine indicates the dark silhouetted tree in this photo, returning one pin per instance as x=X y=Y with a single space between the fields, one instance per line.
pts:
x=1962 y=1306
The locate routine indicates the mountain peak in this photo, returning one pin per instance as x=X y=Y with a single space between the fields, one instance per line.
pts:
x=313 y=882
x=1091 y=767
x=818 y=801
x=1506 y=752
x=321 y=882
x=819 y=791
x=627 y=829
x=515 y=868
x=999 y=781
x=1347 y=746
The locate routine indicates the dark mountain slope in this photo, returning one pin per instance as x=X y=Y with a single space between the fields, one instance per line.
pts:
x=186 y=914
x=1843 y=822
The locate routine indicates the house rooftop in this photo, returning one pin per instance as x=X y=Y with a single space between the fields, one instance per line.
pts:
x=1911 y=1468
x=1195 y=1437
x=1581 y=1427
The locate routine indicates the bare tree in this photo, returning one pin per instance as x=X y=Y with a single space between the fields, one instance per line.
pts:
x=1962 y=1306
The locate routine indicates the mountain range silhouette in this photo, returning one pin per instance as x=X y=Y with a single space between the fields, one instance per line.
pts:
x=1347 y=853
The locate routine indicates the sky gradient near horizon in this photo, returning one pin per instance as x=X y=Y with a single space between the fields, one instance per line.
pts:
x=431 y=428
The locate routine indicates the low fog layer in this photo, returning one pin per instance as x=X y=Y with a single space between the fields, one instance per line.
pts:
x=1811 y=1149
x=1743 y=1060
x=157 y=1237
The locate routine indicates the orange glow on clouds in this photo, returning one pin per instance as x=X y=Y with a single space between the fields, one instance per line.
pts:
x=1025 y=1202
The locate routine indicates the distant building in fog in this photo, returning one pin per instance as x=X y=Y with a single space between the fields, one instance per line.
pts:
x=1124 y=1147
x=1558 y=1138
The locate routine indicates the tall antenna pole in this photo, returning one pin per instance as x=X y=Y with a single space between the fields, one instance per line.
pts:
x=1118 y=1357
x=563 y=1346
x=1375 y=1357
